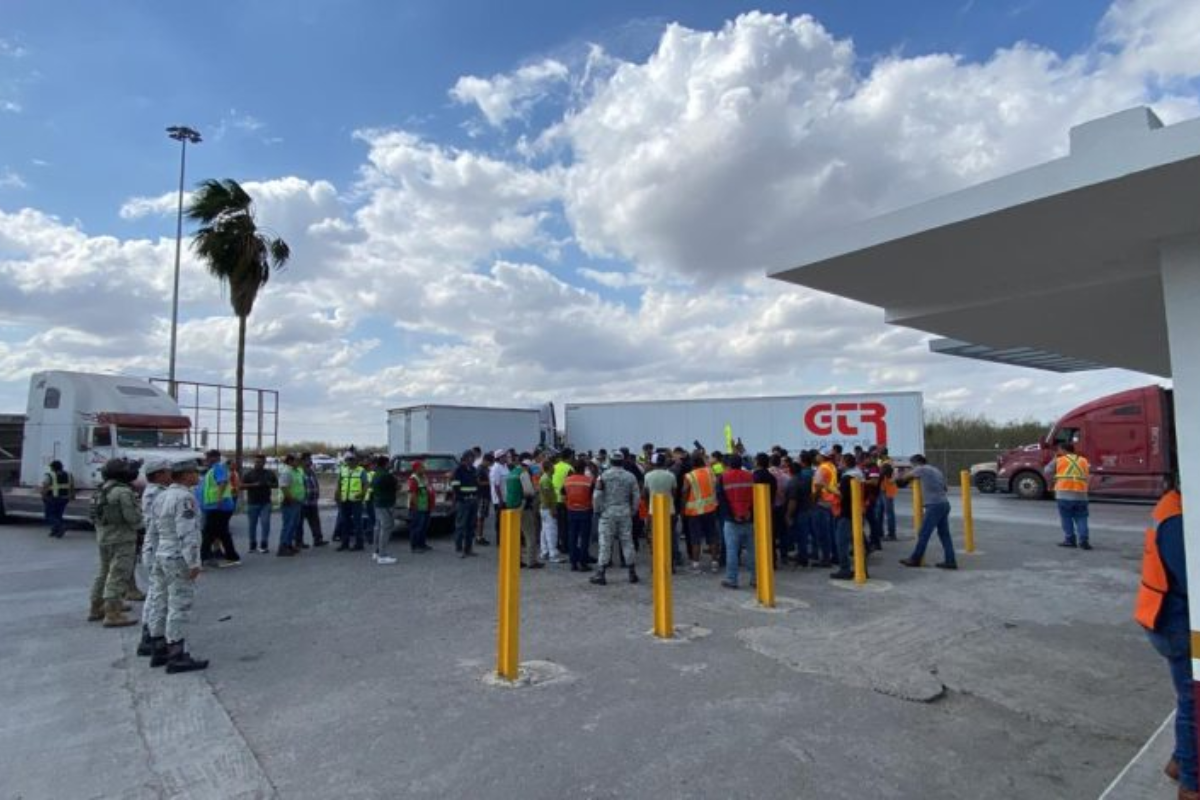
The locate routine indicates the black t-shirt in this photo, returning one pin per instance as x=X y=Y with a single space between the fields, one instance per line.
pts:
x=763 y=475
x=799 y=489
x=844 y=484
x=258 y=484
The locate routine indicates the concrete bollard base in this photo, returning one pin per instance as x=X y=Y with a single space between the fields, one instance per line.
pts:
x=782 y=605
x=683 y=633
x=871 y=586
x=530 y=674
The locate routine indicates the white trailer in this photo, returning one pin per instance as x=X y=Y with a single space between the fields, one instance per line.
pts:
x=453 y=429
x=83 y=420
x=894 y=420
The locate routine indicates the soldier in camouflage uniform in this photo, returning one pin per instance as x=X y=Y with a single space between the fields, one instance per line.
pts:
x=117 y=517
x=616 y=501
x=177 y=556
x=158 y=478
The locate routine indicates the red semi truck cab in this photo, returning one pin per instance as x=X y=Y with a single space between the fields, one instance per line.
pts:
x=1127 y=437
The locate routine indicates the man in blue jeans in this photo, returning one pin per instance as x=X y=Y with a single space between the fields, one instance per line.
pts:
x=735 y=498
x=936 y=516
x=258 y=483
x=1162 y=609
x=58 y=488
x=464 y=493
x=1071 y=474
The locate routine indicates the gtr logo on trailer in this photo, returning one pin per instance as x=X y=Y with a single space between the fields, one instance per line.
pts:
x=822 y=419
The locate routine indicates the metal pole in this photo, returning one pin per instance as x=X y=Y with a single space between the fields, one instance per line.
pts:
x=660 y=518
x=918 y=500
x=968 y=518
x=183 y=135
x=508 y=634
x=856 y=519
x=764 y=557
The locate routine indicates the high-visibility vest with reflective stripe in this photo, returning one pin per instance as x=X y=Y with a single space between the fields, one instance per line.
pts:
x=213 y=492
x=1071 y=473
x=350 y=482
x=297 y=490
x=702 y=492
x=57 y=486
x=1154 y=584
x=577 y=490
x=738 y=486
x=825 y=484
x=717 y=468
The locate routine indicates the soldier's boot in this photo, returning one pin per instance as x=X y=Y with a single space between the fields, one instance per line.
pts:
x=180 y=660
x=158 y=651
x=599 y=578
x=633 y=576
x=134 y=593
x=114 y=615
x=146 y=645
x=96 y=612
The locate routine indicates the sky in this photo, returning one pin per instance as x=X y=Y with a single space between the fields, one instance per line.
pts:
x=508 y=204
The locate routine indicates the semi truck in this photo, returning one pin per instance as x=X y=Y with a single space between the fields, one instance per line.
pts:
x=451 y=429
x=895 y=420
x=1127 y=437
x=83 y=420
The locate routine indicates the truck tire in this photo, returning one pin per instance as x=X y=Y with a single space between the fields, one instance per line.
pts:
x=1029 y=486
x=985 y=482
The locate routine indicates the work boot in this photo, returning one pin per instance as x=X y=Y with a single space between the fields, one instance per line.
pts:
x=146 y=645
x=96 y=612
x=633 y=578
x=158 y=651
x=134 y=594
x=1188 y=794
x=180 y=660
x=599 y=579
x=1171 y=770
x=114 y=615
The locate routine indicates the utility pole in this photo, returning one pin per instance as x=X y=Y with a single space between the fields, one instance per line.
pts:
x=183 y=135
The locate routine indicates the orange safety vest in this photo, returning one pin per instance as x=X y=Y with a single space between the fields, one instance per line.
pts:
x=1154 y=575
x=890 y=489
x=702 y=492
x=1071 y=473
x=821 y=484
x=643 y=509
x=577 y=492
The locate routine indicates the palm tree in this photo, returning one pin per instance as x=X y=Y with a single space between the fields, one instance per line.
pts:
x=237 y=254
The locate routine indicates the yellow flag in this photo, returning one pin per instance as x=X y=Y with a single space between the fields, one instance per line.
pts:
x=728 y=438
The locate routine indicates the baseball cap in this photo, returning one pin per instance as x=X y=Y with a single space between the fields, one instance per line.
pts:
x=154 y=465
x=500 y=454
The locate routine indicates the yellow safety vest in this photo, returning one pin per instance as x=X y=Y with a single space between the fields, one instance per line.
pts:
x=350 y=483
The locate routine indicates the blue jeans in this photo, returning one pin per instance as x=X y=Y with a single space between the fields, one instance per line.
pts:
x=350 y=522
x=845 y=544
x=55 y=508
x=368 y=525
x=1174 y=646
x=256 y=513
x=1073 y=514
x=804 y=536
x=291 y=524
x=737 y=536
x=418 y=525
x=887 y=509
x=874 y=520
x=822 y=526
x=465 y=514
x=937 y=516
x=579 y=536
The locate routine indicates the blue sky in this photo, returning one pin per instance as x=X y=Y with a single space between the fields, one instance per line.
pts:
x=455 y=178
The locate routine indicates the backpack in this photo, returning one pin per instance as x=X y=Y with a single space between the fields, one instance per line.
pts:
x=103 y=510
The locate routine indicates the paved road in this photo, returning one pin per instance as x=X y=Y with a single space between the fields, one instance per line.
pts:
x=1021 y=676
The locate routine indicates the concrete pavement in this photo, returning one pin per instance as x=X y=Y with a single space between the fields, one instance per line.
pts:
x=1020 y=676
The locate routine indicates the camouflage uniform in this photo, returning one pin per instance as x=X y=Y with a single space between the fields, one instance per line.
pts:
x=155 y=597
x=117 y=517
x=177 y=552
x=615 y=500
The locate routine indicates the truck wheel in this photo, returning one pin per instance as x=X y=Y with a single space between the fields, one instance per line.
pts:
x=1029 y=486
x=985 y=482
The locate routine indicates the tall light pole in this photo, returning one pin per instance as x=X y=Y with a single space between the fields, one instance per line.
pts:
x=183 y=135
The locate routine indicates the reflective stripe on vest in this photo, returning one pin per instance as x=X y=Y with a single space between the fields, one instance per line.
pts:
x=1071 y=474
x=56 y=486
x=823 y=478
x=1154 y=584
x=577 y=490
x=738 y=485
x=350 y=482
x=702 y=492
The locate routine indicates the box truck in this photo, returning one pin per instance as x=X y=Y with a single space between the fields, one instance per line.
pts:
x=894 y=420
x=83 y=420
x=1127 y=437
x=452 y=429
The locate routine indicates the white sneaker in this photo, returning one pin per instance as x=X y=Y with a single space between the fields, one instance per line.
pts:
x=555 y=559
x=375 y=557
x=385 y=560
x=695 y=566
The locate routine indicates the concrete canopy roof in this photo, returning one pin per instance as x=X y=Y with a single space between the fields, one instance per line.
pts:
x=1063 y=257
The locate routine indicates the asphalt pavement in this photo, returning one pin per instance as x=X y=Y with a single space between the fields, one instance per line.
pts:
x=1021 y=675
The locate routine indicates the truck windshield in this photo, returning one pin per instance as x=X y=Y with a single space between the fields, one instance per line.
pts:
x=142 y=438
x=432 y=464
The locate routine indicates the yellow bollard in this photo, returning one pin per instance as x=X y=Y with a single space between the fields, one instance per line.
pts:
x=918 y=505
x=660 y=518
x=764 y=546
x=508 y=632
x=856 y=518
x=968 y=519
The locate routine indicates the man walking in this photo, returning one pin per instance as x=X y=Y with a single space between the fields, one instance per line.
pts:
x=58 y=489
x=117 y=517
x=310 y=509
x=616 y=500
x=936 y=513
x=1071 y=473
x=384 y=488
x=258 y=483
x=464 y=491
x=735 y=494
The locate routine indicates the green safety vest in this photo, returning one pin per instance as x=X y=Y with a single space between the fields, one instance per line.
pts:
x=422 y=498
x=514 y=493
x=297 y=490
x=212 y=490
x=351 y=483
